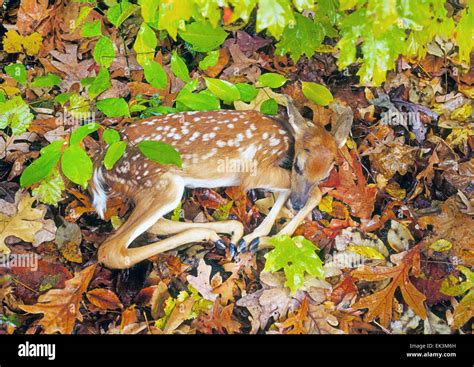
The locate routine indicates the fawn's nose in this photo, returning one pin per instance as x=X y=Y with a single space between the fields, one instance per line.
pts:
x=296 y=202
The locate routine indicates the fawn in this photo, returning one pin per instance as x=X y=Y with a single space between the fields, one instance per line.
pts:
x=291 y=158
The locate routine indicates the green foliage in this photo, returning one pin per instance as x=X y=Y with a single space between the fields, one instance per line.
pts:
x=111 y=136
x=114 y=153
x=42 y=166
x=46 y=81
x=15 y=113
x=81 y=132
x=269 y=107
x=100 y=83
x=210 y=60
x=118 y=13
x=274 y=15
x=247 y=91
x=303 y=38
x=76 y=165
x=203 y=36
x=145 y=44
x=91 y=29
x=113 y=107
x=317 y=93
x=179 y=68
x=50 y=189
x=155 y=74
x=296 y=256
x=223 y=89
x=202 y=101
x=160 y=152
x=17 y=72
x=272 y=80
x=104 y=52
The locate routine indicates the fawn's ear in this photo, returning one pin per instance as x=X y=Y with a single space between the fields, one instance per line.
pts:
x=342 y=126
x=297 y=122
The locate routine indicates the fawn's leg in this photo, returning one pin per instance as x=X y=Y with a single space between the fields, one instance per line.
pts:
x=266 y=226
x=289 y=229
x=166 y=227
x=149 y=208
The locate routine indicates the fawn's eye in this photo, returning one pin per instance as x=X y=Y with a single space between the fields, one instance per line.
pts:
x=297 y=168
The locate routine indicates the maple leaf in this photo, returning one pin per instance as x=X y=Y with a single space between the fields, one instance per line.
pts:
x=353 y=189
x=296 y=256
x=61 y=306
x=295 y=322
x=380 y=304
x=24 y=224
x=219 y=319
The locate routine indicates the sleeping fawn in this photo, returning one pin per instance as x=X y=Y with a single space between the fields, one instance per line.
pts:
x=288 y=158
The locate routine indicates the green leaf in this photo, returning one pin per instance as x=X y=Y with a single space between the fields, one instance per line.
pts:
x=160 y=152
x=17 y=72
x=199 y=101
x=100 y=84
x=16 y=114
x=223 y=89
x=145 y=44
x=91 y=29
x=114 y=153
x=104 y=52
x=173 y=15
x=179 y=68
x=79 y=107
x=42 y=167
x=247 y=92
x=62 y=98
x=301 y=5
x=46 y=81
x=301 y=39
x=111 y=136
x=203 y=36
x=51 y=188
x=269 y=107
x=118 y=13
x=465 y=34
x=3 y=98
x=296 y=256
x=155 y=74
x=76 y=165
x=272 y=80
x=274 y=15
x=81 y=132
x=150 y=11
x=113 y=107
x=317 y=93
x=210 y=60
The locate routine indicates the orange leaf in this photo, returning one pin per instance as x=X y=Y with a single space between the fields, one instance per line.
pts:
x=294 y=324
x=380 y=304
x=219 y=319
x=61 y=306
x=104 y=299
x=353 y=189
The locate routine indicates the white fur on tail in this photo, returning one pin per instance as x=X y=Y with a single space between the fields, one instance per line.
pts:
x=99 y=201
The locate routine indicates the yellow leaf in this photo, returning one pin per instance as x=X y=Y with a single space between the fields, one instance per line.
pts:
x=441 y=245
x=462 y=113
x=399 y=236
x=459 y=136
x=32 y=43
x=325 y=204
x=394 y=190
x=366 y=251
x=12 y=42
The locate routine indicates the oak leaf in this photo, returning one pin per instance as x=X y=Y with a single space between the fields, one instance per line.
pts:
x=218 y=319
x=353 y=189
x=380 y=304
x=61 y=306
x=24 y=224
x=294 y=324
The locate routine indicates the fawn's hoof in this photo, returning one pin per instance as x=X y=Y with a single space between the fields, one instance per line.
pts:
x=242 y=246
x=220 y=245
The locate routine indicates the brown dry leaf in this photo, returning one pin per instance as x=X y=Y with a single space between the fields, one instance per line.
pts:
x=353 y=189
x=179 y=314
x=24 y=224
x=201 y=281
x=72 y=252
x=464 y=311
x=68 y=64
x=218 y=319
x=129 y=316
x=294 y=324
x=321 y=321
x=215 y=70
x=61 y=306
x=380 y=304
x=104 y=299
x=264 y=94
x=454 y=226
x=31 y=14
x=393 y=158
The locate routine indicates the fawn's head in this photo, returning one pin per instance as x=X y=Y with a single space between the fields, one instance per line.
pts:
x=315 y=150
